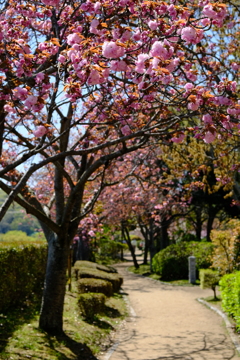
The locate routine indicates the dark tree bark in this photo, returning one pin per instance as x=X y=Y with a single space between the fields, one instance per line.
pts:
x=145 y=233
x=198 y=212
x=132 y=250
x=51 y=315
x=212 y=213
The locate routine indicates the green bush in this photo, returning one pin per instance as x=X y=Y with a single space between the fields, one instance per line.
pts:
x=87 y=272
x=226 y=256
x=172 y=262
x=22 y=270
x=95 y=286
x=93 y=265
x=230 y=294
x=91 y=304
x=209 y=279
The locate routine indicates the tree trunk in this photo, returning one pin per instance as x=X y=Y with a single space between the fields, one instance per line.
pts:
x=198 y=228
x=132 y=250
x=212 y=212
x=51 y=315
x=151 y=243
x=164 y=233
x=145 y=233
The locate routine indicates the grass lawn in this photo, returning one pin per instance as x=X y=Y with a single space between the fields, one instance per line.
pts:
x=20 y=338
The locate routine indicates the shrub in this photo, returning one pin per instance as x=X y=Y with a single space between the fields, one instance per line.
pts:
x=87 y=272
x=172 y=262
x=93 y=265
x=95 y=286
x=22 y=271
x=209 y=279
x=226 y=255
x=230 y=293
x=91 y=304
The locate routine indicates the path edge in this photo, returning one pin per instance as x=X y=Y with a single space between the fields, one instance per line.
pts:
x=229 y=326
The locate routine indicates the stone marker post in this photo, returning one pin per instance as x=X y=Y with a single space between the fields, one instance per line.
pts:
x=192 y=269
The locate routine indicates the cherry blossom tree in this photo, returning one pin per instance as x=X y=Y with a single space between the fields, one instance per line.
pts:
x=145 y=197
x=84 y=83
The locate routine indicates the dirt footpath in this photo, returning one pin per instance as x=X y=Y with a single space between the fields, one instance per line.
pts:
x=168 y=323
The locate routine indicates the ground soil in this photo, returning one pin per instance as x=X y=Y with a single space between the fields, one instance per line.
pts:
x=166 y=322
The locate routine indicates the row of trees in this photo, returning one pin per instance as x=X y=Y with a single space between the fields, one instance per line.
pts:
x=173 y=190
x=86 y=84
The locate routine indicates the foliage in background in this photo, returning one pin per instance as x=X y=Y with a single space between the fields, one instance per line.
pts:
x=226 y=255
x=17 y=238
x=17 y=219
x=230 y=293
x=22 y=270
x=108 y=245
x=172 y=262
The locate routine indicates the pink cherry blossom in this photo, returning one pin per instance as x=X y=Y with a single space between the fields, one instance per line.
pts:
x=20 y=93
x=39 y=78
x=137 y=35
x=178 y=139
x=207 y=119
x=158 y=49
x=91 y=233
x=126 y=36
x=118 y=65
x=73 y=39
x=97 y=6
x=188 y=86
x=30 y=101
x=219 y=14
x=51 y=2
x=61 y=59
x=153 y=24
x=93 y=27
x=126 y=130
x=40 y=131
x=111 y=50
x=188 y=34
x=209 y=137
x=9 y=109
x=235 y=66
x=140 y=63
x=193 y=106
x=94 y=77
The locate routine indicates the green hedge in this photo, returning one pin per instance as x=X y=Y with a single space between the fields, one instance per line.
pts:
x=172 y=262
x=93 y=265
x=82 y=272
x=22 y=270
x=95 y=286
x=91 y=304
x=230 y=293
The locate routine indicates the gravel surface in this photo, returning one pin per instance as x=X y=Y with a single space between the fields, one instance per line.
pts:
x=168 y=323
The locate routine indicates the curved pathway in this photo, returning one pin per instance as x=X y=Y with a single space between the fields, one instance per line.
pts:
x=168 y=323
